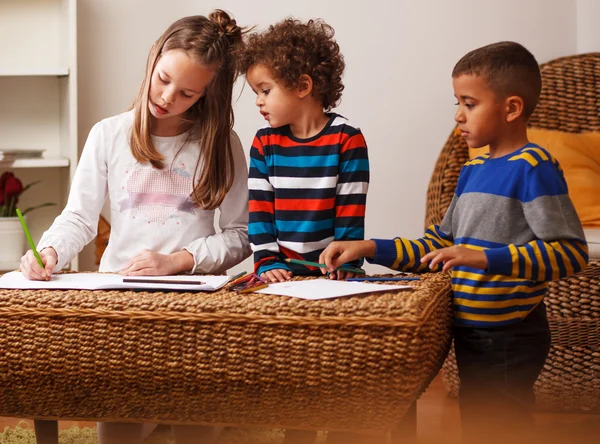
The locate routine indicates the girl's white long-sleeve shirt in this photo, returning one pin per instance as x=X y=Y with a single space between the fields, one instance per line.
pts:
x=149 y=208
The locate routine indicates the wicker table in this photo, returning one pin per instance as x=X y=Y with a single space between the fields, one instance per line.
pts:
x=355 y=363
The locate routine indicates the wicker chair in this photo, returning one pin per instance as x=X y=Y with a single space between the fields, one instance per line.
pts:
x=570 y=381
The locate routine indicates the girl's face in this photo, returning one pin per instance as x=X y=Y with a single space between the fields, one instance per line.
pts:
x=177 y=83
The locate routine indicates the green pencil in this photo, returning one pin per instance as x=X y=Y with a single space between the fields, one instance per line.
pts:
x=316 y=264
x=31 y=244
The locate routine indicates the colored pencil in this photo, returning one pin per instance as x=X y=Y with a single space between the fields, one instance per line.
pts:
x=237 y=276
x=253 y=288
x=29 y=239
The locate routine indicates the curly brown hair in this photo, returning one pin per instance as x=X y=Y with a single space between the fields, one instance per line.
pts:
x=291 y=48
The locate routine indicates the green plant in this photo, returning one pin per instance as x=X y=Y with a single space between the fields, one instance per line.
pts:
x=11 y=189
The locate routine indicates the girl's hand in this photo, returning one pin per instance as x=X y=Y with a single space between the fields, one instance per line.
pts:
x=454 y=256
x=32 y=270
x=149 y=263
x=277 y=275
x=341 y=252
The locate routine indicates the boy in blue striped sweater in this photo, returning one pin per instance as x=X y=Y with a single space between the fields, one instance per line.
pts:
x=510 y=229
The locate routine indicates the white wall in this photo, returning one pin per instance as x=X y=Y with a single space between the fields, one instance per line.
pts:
x=399 y=55
x=588 y=31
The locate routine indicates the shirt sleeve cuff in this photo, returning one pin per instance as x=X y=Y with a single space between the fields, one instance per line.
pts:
x=193 y=270
x=60 y=253
x=272 y=266
x=385 y=252
x=499 y=261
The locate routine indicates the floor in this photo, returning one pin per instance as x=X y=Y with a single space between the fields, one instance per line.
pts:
x=439 y=422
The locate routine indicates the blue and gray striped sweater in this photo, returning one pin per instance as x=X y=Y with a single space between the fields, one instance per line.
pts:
x=517 y=209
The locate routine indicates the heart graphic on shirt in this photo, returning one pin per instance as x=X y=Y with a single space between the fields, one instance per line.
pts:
x=158 y=194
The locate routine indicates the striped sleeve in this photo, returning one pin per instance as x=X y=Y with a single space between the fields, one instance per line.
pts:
x=262 y=231
x=403 y=254
x=560 y=249
x=351 y=191
x=352 y=187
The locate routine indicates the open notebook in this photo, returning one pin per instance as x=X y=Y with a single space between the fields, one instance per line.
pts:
x=101 y=281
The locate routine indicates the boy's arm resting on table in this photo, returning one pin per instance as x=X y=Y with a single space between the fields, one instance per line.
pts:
x=560 y=248
x=405 y=255
x=399 y=254
x=224 y=250
x=351 y=191
x=261 y=227
x=77 y=225
x=539 y=260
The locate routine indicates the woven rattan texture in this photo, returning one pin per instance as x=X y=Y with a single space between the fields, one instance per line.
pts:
x=353 y=363
x=570 y=101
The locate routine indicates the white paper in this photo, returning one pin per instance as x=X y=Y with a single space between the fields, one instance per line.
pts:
x=102 y=281
x=325 y=288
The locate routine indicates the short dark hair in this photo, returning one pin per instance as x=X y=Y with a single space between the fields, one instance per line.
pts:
x=509 y=68
x=291 y=48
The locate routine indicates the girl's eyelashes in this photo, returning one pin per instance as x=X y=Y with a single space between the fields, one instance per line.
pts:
x=266 y=91
x=165 y=81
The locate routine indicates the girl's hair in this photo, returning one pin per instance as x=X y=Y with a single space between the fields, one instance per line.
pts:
x=210 y=41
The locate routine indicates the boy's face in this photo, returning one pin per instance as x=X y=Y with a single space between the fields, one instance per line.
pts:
x=278 y=105
x=480 y=114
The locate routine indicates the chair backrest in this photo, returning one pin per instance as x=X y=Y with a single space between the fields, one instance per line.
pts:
x=570 y=102
x=102 y=238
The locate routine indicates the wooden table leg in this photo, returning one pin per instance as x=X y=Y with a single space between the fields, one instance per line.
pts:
x=406 y=430
x=46 y=431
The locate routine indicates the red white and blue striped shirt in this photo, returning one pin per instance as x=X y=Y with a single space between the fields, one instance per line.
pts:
x=305 y=193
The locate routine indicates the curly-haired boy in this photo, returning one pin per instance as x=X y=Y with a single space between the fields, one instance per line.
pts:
x=309 y=170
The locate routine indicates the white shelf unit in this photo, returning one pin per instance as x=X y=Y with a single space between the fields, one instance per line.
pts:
x=38 y=83
x=45 y=162
x=7 y=71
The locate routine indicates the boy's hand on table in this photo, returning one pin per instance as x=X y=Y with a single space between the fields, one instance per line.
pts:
x=454 y=256
x=277 y=275
x=32 y=270
x=339 y=275
x=150 y=263
x=339 y=253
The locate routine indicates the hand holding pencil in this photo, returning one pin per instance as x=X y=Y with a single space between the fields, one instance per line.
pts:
x=339 y=253
x=339 y=273
x=31 y=268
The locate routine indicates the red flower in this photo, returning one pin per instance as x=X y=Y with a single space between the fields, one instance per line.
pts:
x=6 y=177
x=11 y=189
